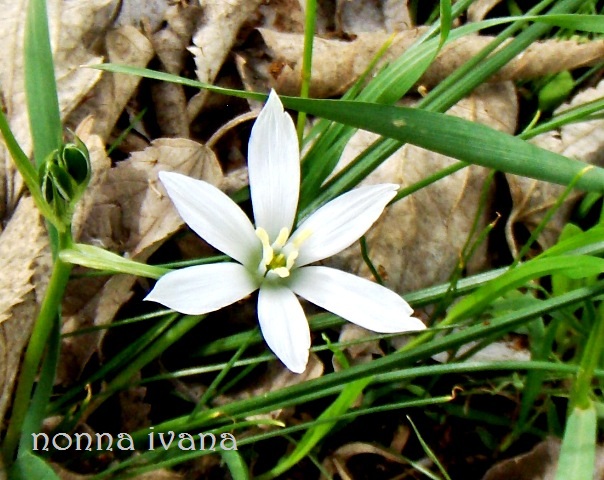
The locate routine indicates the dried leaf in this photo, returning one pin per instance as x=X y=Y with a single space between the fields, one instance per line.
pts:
x=531 y=198
x=359 y=16
x=337 y=64
x=336 y=462
x=480 y=8
x=25 y=263
x=358 y=352
x=134 y=12
x=538 y=464
x=419 y=240
x=170 y=44
x=106 y=102
x=130 y=214
x=214 y=40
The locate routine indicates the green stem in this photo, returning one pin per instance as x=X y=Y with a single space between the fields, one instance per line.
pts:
x=309 y=36
x=49 y=314
x=580 y=396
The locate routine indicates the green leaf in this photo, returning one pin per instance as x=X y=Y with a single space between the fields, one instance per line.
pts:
x=578 y=453
x=236 y=464
x=572 y=265
x=457 y=138
x=556 y=91
x=40 y=83
x=29 y=466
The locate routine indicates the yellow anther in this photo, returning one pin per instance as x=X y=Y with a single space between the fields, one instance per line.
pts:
x=291 y=259
x=282 y=272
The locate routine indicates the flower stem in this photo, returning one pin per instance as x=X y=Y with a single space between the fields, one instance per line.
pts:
x=48 y=315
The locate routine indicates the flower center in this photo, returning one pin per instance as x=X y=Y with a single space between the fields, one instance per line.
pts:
x=276 y=262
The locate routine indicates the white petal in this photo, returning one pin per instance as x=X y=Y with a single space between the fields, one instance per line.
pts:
x=203 y=288
x=284 y=326
x=274 y=168
x=359 y=301
x=339 y=223
x=213 y=216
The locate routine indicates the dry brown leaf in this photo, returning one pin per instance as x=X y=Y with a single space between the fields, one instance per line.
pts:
x=336 y=462
x=538 y=464
x=74 y=26
x=358 y=352
x=337 y=64
x=106 y=102
x=360 y=16
x=531 y=198
x=480 y=8
x=25 y=263
x=135 y=12
x=418 y=241
x=213 y=41
x=170 y=43
x=130 y=214
x=288 y=15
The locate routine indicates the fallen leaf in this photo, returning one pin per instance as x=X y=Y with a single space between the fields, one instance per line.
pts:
x=213 y=41
x=362 y=352
x=170 y=44
x=480 y=8
x=359 y=16
x=532 y=199
x=25 y=263
x=107 y=100
x=336 y=462
x=538 y=464
x=418 y=241
x=337 y=64
x=133 y=13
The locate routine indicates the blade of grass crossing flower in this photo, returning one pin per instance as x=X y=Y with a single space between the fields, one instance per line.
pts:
x=578 y=452
x=584 y=23
x=458 y=138
x=40 y=83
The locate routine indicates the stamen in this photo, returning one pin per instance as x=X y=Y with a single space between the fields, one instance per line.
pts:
x=282 y=272
x=301 y=237
x=267 y=250
x=291 y=259
x=281 y=238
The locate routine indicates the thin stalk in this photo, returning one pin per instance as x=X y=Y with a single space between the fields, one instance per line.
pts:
x=309 y=36
x=49 y=314
x=580 y=396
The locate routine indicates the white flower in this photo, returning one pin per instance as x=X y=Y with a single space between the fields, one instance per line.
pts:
x=271 y=258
